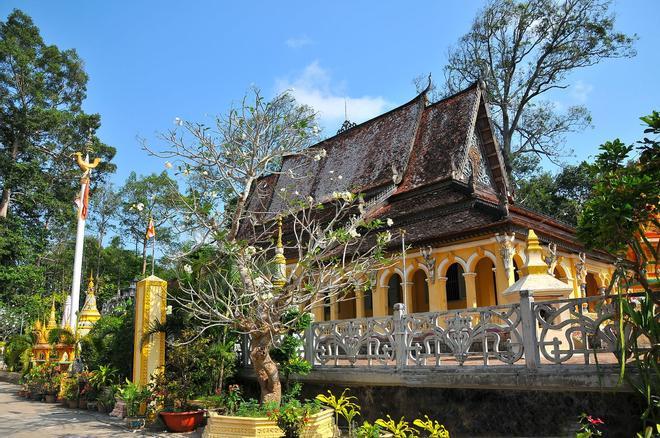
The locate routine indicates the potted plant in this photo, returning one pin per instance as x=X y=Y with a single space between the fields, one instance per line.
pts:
x=133 y=396
x=69 y=390
x=102 y=381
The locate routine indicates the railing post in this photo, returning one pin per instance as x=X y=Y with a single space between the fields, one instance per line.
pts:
x=308 y=340
x=530 y=345
x=400 y=335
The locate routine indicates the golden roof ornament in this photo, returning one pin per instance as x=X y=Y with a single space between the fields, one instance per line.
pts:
x=279 y=279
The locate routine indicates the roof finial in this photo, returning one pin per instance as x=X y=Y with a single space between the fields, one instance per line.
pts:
x=347 y=123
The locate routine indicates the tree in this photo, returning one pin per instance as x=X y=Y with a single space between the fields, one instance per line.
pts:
x=144 y=198
x=524 y=49
x=105 y=203
x=623 y=206
x=41 y=93
x=246 y=286
x=559 y=195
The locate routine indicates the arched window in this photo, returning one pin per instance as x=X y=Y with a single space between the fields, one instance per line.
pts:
x=347 y=306
x=394 y=292
x=420 y=292
x=455 y=283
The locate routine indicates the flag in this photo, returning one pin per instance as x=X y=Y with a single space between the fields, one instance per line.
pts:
x=151 y=231
x=85 y=202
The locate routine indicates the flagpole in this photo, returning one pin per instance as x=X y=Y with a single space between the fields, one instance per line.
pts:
x=77 y=261
x=153 y=255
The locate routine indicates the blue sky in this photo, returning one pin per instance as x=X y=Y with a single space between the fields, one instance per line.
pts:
x=152 y=61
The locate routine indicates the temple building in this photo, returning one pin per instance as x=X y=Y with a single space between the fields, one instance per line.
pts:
x=437 y=171
x=89 y=314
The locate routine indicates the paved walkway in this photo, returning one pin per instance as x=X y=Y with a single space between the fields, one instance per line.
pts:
x=23 y=418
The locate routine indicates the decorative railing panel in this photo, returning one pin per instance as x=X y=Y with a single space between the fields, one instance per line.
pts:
x=368 y=341
x=579 y=331
x=582 y=330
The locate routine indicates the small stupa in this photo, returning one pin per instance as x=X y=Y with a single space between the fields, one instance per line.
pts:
x=41 y=348
x=52 y=322
x=535 y=278
x=89 y=313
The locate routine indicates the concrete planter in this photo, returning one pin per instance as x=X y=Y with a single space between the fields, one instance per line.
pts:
x=321 y=425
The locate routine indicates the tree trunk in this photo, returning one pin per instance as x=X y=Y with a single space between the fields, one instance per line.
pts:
x=6 y=191
x=265 y=368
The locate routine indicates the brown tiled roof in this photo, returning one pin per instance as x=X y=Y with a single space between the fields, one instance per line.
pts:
x=358 y=159
x=428 y=146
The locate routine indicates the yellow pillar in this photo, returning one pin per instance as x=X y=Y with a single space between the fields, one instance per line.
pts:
x=334 y=308
x=359 y=304
x=317 y=311
x=380 y=301
x=438 y=295
x=470 y=289
x=407 y=288
x=150 y=305
x=502 y=280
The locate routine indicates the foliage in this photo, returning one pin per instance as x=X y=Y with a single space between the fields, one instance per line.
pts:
x=16 y=346
x=287 y=351
x=560 y=196
x=588 y=426
x=133 y=395
x=524 y=49
x=368 y=430
x=623 y=204
x=343 y=406
x=432 y=427
x=400 y=429
x=61 y=336
x=42 y=89
x=68 y=387
x=110 y=343
x=244 y=289
x=293 y=416
x=103 y=377
x=144 y=197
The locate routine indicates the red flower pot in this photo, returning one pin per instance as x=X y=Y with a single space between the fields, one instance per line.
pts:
x=182 y=421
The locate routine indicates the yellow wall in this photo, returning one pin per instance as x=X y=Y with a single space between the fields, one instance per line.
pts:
x=477 y=258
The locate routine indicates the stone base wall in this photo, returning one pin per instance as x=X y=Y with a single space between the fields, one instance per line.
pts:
x=477 y=412
x=485 y=412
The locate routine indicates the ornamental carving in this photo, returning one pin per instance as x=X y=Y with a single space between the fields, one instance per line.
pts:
x=551 y=258
x=581 y=269
x=429 y=262
x=475 y=166
x=506 y=249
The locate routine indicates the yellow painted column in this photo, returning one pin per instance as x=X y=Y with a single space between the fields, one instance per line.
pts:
x=407 y=288
x=359 y=304
x=470 y=289
x=317 y=311
x=334 y=308
x=150 y=305
x=438 y=295
x=380 y=301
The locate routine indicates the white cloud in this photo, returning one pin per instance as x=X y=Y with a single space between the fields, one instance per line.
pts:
x=298 y=42
x=580 y=91
x=315 y=87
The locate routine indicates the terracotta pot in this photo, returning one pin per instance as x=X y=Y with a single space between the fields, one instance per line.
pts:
x=182 y=421
x=72 y=404
x=51 y=398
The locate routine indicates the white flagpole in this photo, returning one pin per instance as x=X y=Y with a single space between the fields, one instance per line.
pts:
x=77 y=261
x=153 y=254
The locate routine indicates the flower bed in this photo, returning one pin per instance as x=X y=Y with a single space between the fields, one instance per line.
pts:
x=321 y=425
